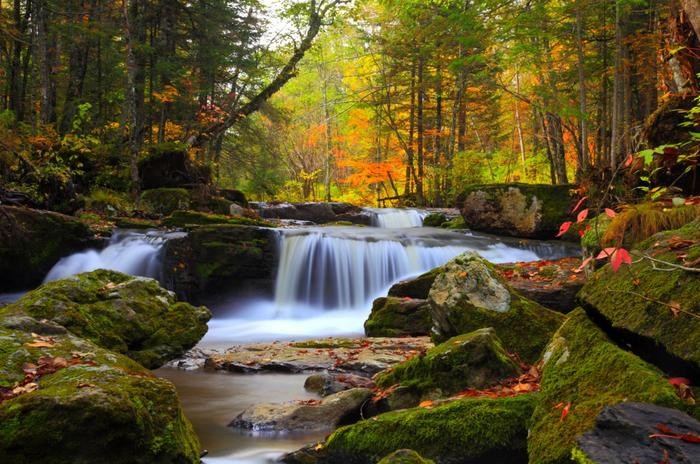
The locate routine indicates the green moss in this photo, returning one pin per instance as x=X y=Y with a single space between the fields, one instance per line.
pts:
x=103 y=405
x=632 y=298
x=434 y=220
x=465 y=431
x=132 y=316
x=584 y=368
x=135 y=223
x=457 y=223
x=325 y=344
x=580 y=457
x=193 y=218
x=166 y=200
x=474 y=360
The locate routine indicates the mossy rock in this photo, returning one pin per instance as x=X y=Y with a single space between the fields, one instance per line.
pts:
x=103 y=407
x=130 y=315
x=135 y=223
x=418 y=287
x=405 y=456
x=434 y=220
x=32 y=241
x=166 y=200
x=635 y=300
x=467 y=431
x=475 y=360
x=215 y=257
x=520 y=210
x=583 y=367
x=195 y=218
x=398 y=317
x=470 y=294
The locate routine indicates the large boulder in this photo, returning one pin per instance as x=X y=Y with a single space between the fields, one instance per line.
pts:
x=326 y=414
x=520 y=210
x=397 y=317
x=418 y=287
x=64 y=399
x=129 y=315
x=219 y=257
x=654 y=308
x=583 y=372
x=475 y=360
x=32 y=241
x=467 y=431
x=625 y=433
x=469 y=294
x=168 y=165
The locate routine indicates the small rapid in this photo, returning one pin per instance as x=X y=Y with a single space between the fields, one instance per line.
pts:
x=396 y=218
x=130 y=252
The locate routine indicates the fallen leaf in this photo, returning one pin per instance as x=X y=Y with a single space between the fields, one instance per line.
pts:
x=565 y=412
x=40 y=344
x=426 y=404
x=675 y=308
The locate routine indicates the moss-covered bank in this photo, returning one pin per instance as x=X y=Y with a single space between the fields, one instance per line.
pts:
x=32 y=241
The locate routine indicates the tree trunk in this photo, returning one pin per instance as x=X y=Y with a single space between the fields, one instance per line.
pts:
x=420 y=129
x=584 y=158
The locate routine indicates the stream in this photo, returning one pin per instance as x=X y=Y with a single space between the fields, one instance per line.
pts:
x=326 y=281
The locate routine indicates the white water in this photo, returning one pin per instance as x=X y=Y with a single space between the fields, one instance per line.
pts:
x=396 y=218
x=133 y=253
x=328 y=277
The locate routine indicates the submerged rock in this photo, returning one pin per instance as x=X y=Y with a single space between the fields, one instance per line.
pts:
x=622 y=433
x=325 y=414
x=130 y=315
x=405 y=456
x=585 y=371
x=397 y=317
x=520 y=210
x=475 y=360
x=32 y=241
x=64 y=399
x=469 y=294
x=658 y=308
x=330 y=383
x=467 y=431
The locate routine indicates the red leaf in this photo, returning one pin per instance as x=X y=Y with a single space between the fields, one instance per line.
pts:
x=581 y=233
x=564 y=228
x=628 y=161
x=606 y=253
x=565 y=412
x=678 y=381
x=582 y=216
x=610 y=213
x=583 y=264
x=620 y=256
x=578 y=205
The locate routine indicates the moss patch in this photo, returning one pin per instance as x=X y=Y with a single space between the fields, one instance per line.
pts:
x=405 y=457
x=584 y=368
x=434 y=220
x=474 y=360
x=132 y=316
x=194 y=218
x=464 y=431
x=166 y=200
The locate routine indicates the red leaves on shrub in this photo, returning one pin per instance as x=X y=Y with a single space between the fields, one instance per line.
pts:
x=617 y=256
x=583 y=265
x=582 y=216
x=578 y=205
x=564 y=228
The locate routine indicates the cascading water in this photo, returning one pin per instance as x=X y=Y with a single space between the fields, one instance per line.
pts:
x=130 y=252
x=396 y=218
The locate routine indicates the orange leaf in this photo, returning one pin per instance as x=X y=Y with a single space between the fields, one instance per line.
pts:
x=565 y=412
x=426 y=404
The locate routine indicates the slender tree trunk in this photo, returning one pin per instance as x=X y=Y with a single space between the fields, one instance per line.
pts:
x=584 y=159
x=420 y=129
x=518 y=123
x=617 y=95
x=329 y=138
x=411 y=131
x=47 y=63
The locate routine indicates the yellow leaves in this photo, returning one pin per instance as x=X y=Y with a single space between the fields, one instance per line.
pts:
x=168 y=95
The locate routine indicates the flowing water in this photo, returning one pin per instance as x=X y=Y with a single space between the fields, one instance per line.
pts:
x=326 y=280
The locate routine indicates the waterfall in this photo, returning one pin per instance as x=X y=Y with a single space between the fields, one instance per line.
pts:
x=395 y=218
x=130 y=252
x=346 y=268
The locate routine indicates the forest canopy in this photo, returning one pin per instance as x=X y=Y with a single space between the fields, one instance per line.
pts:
x=358 y=101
